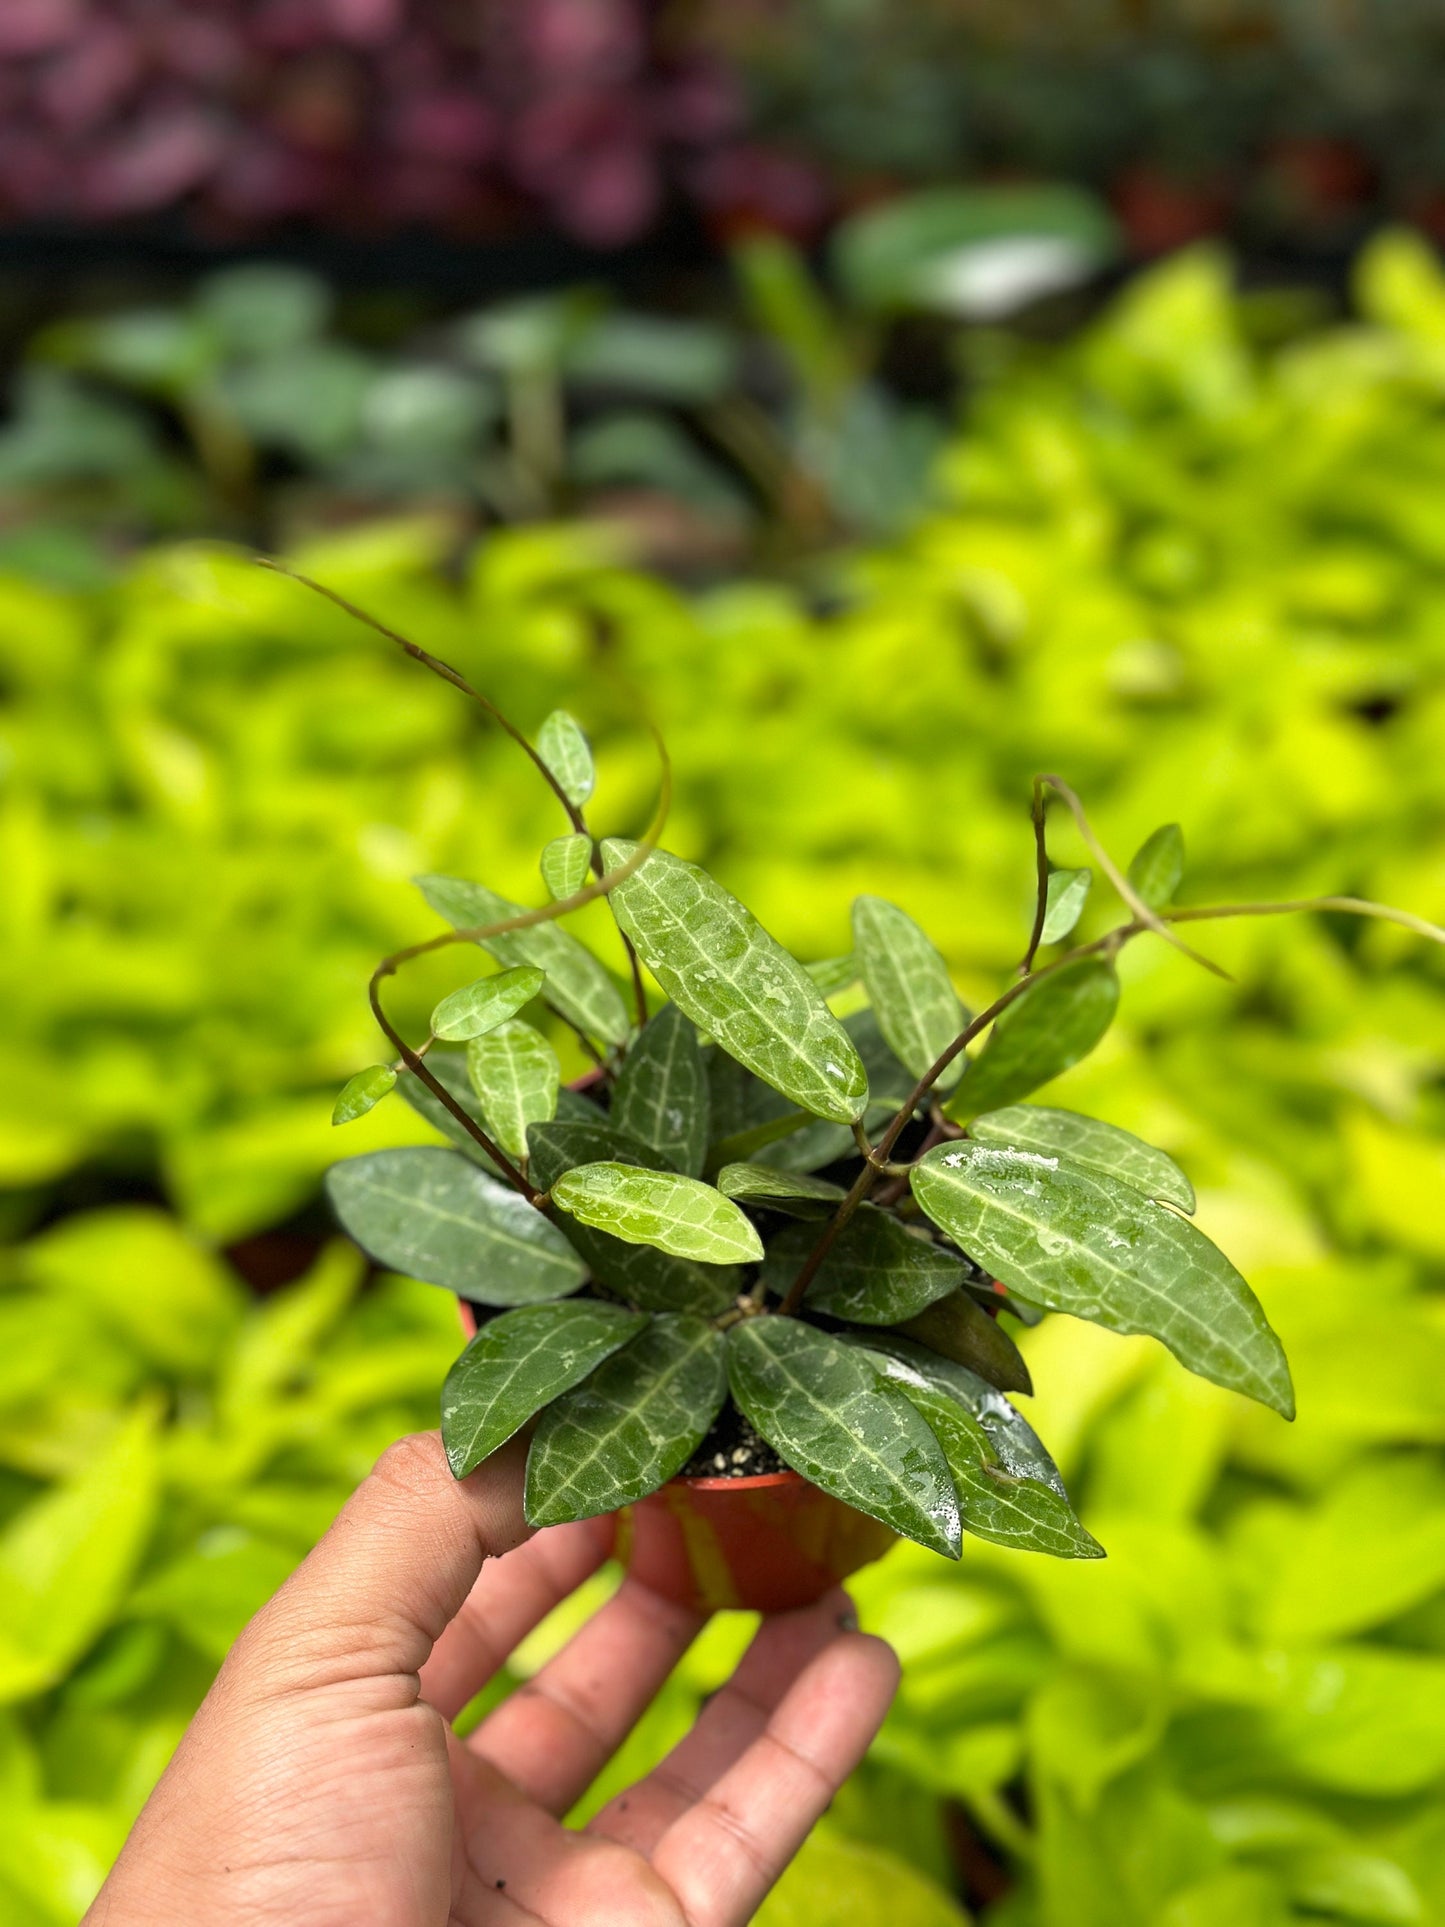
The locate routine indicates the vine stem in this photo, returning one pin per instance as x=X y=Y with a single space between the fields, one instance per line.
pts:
x=1041 y=861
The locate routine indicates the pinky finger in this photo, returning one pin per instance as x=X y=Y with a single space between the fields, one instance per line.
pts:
x=722 y=1855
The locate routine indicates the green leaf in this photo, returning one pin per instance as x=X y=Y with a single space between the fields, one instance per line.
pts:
x=1157 y=866
x=908 y=985
x=821 y=1405
x=679 y=1215
x=795 y=1192
x=567 y=753
x=520 y=1362
x=1055 y=1023
x=636 y=1422
x=876 y=1271
x=433 y=1215
x=449 y=1068
x=1072 y=1240
x=363 y=1093
x=479 y=1007
x=639 y=1273
x=515 y=1074
x=721 y=968
x=837 y=1881
x=1009 y=1489
x=565 y=863
x=1067 y=893
x=577 y=985
x=661 y=1095
x=833 y=975
x=957 y=1328
x=1086 y=1141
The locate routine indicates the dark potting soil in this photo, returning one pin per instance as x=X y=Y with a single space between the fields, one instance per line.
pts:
x=732 y=1450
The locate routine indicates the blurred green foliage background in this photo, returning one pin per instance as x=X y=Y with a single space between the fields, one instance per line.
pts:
x=1193 y=560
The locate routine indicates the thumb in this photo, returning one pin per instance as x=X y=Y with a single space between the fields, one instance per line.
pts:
x=374 y=1595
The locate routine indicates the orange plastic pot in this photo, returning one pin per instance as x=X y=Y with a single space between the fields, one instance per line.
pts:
x=766 y=1544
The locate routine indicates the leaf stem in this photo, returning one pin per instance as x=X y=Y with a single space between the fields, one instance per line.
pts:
x=1041 y=858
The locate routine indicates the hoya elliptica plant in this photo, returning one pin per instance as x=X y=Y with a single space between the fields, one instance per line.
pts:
x=754 y=1199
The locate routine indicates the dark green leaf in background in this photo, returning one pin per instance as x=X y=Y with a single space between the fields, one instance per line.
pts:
x=634 y=1423
x=566 y=752
x=661 y=1094
x=957 y=1328
x=363 y=1093
x=564 y=864
x=577 y=985
x=1075 y=1241
x=876 y=1271
x=433 y=1215
x=515 y=1073
x=1087 y=1141
x=480 y=1006
x=795 y=1192
x=908 y=985
x=520 y=1362
x=1157 y=866
x=721 y=968
x=1054 y=1024
x=679 y=1215
x=1067 y=893
x=825 y=1409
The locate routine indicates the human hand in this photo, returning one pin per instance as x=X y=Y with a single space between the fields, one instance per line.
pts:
x=320 y=1784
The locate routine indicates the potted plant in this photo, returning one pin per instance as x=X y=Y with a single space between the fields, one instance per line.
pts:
x=741 y=1283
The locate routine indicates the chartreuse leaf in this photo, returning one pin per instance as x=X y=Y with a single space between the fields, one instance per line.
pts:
x=661 y=1094
x=957 y=1328
x=795 y=1192
x=577 y=985
x=1086 y=1141
x=363 y=1092
x=435 y=1216
x=821 y=1404
x=564 y=864
x=449 y=1068
x=721 y=968
x=520 y=1362
x=1066 y=894
x=876 y=1271
x=567 y=753
x=1009 y=1489
x=635 y=1422
x=1054 y=1024
x=1073 y=1240
x=1157 y=866
x=908 y=985
x=644 y=1276
x=515 y=1074
x=679 y=1215
x=479 y=1007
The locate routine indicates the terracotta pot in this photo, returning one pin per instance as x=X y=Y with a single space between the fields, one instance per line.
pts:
x=766 y=1544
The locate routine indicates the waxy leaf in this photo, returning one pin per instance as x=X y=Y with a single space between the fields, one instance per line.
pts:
x=515 y=1073
x=661 y=1095
x=795 y=1192
x=1157 y=867
x=638 y=1420
x=721 y=968
x=908 y=985
x=679 y=1215
x=1084 y=1140
x=824 y=1408
x=435 y=1216
x=567 y=753
x=834 y=974
x=363 y=1093
x=449 y=1068
x=564 y=864
x=577 y=985
x=644 y=1276
x=1054 y=1024
x=1073 y=1240
x=520 y=1362
x=876 y=1271
x=1066 y=894
x=957 y=1328
x=1019 y=1448
x=479 y=1007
